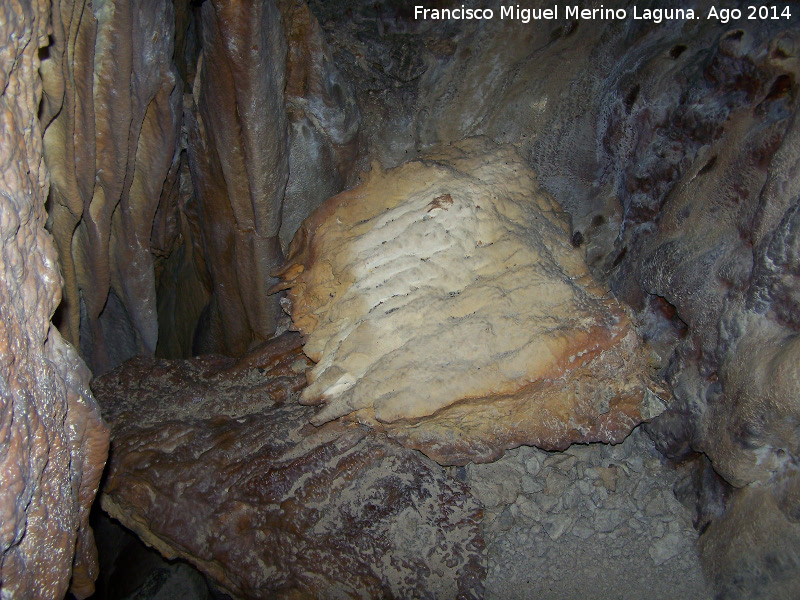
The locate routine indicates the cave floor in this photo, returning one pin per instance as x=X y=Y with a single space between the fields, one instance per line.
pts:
x=595 y=521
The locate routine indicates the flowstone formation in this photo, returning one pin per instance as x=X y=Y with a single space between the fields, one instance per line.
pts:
x=444 y=303
x=111 y=111
x=213 y=461
x=52 y=441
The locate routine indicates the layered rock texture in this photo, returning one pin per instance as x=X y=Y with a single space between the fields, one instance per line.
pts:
x=443 y=302
x=112 y=112
x=187 y=141
x=53 y=442
x=167 y=209
x=213 y=460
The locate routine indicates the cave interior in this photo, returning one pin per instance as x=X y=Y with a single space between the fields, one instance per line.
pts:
x=331 y=299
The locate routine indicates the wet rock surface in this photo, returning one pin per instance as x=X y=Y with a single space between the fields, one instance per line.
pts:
x=52 y=440
x=213 y=461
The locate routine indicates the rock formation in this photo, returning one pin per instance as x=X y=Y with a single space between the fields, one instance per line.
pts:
x=672 y=147
x=323 y=119
x=444 y=303
x=139 y=207
x=53 y=442
x=112 y=112
x=239 y=160
x=213 y=461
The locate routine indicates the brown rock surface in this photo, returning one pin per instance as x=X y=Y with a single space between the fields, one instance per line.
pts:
x=444 y=303
x=52 y=441
x=214 y=461
x=239 y=162
x=112 y=112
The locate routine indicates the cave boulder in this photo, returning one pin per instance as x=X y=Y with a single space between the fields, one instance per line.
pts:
x=444 y=303
x=213 y=461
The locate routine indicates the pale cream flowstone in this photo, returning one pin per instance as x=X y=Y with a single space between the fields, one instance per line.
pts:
x=444 y=303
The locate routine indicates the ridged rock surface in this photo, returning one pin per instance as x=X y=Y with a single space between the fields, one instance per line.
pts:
x=213 y=461
x=52 y=441
x=112 y=113
x=444 y=303
x=238 y=156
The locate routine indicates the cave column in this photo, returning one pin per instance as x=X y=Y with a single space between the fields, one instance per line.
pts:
x=239 y=160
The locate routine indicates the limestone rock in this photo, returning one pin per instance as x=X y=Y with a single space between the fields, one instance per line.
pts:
x=753 y=550
x=724 y=255
x=52 y=441
x=214 y=461
x=112 y=112
x=444 y=303
x=323 y=119
x=238 y=157
x=581 y=539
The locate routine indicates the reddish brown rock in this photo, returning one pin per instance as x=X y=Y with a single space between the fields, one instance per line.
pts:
x=52 y=441
x=214 y=461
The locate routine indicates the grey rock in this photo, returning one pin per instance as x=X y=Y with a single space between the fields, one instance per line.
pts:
x=581 y=530
x=529 y=508
x=562 y=462
x=494 y=484
x=531 y=485
x=557 y=525
x=666 y=548
x=656 y=507
x=556 y=483
x=606 y=520
x=548 y=503
x=533 y=465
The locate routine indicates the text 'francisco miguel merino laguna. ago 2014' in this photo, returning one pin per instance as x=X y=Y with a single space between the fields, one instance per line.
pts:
x=656 y=15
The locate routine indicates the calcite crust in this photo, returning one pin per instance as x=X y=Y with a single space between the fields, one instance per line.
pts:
x=213 y=461
x=444 y=303
x=53 y=443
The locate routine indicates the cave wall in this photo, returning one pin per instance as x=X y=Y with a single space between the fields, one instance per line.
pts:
x=112 y=113
x=673 y=146
x=150 y=182
x=183 y=161
x=53 y=443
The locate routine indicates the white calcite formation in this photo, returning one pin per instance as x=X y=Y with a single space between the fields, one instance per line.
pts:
x=444 y=303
